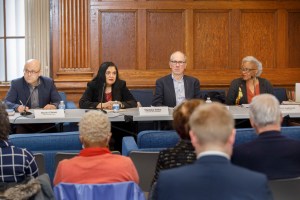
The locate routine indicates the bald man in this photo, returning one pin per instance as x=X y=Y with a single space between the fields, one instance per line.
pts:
x=32 y=91
x=174 y=88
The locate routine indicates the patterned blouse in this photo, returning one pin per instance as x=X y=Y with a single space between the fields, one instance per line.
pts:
x=183 y=153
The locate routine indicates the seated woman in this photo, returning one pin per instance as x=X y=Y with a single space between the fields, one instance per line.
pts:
x=242 y=90
x=17 y=164
x=95 y=163
x=183 y=153
x=105 y=89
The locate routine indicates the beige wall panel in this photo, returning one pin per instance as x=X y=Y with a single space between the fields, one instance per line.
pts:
x=118 y=41
x=294 y=39
x=211 y=39
x=257 y=36
x=165 y=34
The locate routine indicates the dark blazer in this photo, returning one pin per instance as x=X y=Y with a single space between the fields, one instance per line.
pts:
x=264 y=86
x=211 y=177
x=19 y=90
x=165 y=92
x=93 y=94
x=270 y=153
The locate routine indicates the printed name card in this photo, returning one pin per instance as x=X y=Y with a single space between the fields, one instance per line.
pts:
x=285 y=109
x=153 y=111
x=47 y=114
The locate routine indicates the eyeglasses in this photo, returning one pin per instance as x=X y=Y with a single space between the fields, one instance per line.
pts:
x=175 y=62
x=30 y=72
x=110 y=73
x=246 y=69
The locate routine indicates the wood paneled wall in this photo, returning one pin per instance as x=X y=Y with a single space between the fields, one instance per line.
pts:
x=140 y=35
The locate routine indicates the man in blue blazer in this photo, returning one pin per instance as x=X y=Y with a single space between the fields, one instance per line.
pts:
x=270 y=153
x=212 y=176
x=32 y=90
x=172 y=89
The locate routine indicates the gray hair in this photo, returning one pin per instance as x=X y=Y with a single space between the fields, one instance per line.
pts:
x=94 y=126
x=265 y=110
x=256 y=62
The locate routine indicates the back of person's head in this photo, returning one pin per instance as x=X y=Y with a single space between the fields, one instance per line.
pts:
x=95 y=127
x=181 y=117
x=264 y=110
x=102 y=70
x=212 y=124
x=4 y=122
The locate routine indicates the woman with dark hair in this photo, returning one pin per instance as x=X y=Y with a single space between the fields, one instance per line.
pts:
x=183 y=153
x=105 y=89
x=16 y=164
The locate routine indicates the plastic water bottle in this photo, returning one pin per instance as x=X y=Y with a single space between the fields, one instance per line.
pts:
x=62 y=105
x=116 y=107
x=208 y=100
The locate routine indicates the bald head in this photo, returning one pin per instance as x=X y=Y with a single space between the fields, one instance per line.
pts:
x=32 y=71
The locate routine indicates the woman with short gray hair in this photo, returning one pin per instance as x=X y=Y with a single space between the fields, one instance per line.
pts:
x=250 y=84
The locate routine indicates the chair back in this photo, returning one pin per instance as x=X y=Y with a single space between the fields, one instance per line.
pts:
x=144 y=96
x=157 y=139
x=287 y=189
x=40 y=161
x=145 y=163
x=111 y=191
x=280 y=93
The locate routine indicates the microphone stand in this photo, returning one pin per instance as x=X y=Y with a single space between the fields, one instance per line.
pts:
x=26 y=113
x=103 y=90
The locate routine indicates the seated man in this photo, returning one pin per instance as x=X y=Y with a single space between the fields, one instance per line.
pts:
x=271 y=153
x=174 y=88
x=95 y=163
x=32 y=91
x=212 y=176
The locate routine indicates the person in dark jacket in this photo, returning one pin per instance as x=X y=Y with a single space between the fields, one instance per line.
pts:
x=270 y=153
x=106 y=89
x=242 y=90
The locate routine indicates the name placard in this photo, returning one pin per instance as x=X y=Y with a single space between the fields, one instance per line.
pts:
x=47 y=114
x=290 y=109
x=153 y=111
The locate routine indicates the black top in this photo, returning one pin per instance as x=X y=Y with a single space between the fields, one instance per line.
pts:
x=93 y=94
x=183 y=153
x=264 y=86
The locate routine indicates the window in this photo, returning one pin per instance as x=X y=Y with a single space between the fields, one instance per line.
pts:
x=12 y=39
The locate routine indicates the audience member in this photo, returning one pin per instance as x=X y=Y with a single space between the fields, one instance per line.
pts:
x=105 y=89
x=176 y=87
x=183 y=153
x=16 y=164
x=30 y=92
x=212 y=176
x=242 y=90
x=271 y=153
x=95 y=163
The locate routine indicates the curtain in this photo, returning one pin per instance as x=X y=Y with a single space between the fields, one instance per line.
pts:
x=37 y=32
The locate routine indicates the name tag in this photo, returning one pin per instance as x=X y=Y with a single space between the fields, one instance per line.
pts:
x=47 y=114
x=153 y=111
x=285 y=109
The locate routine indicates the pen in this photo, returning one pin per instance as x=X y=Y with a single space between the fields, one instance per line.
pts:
x=21 y=103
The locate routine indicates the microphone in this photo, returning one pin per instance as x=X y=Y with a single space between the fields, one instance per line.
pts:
x=102 y=94
x=25 y=113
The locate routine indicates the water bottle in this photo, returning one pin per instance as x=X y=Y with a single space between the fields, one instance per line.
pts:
x=208 y=100
x=116 y=107
x=62 y=105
